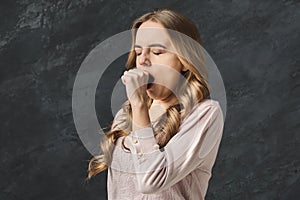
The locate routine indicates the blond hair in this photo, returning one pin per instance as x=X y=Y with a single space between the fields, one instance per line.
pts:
x=192 y=91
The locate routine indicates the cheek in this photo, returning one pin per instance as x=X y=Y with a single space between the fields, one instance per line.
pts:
x=177 y=65
x=167 y=80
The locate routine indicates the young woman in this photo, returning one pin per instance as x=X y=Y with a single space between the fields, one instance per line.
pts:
x=164 y=141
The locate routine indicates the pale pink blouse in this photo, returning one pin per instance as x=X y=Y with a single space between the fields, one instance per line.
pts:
x=181 y=170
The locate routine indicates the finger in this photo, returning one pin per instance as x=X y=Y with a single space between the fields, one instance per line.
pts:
x=132 y=73
x=142 y=72
x=128 y=77
x=136 y=73
x=136 y=76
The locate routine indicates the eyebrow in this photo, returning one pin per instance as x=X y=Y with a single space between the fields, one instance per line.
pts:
x=151 y=45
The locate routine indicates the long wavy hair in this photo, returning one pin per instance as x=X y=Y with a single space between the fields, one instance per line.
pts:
x=192 y=90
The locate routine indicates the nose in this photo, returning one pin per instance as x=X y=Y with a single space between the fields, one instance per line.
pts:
x=144 y=58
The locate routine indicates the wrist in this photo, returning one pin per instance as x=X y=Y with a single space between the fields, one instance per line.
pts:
x=139 y=106
x=140 y=117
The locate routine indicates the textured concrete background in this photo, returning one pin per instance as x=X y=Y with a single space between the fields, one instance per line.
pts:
x=255 y=45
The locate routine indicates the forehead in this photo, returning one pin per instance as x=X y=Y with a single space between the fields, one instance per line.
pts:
x=152 y=33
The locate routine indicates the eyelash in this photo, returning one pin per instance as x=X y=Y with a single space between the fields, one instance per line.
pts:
x=155 y=53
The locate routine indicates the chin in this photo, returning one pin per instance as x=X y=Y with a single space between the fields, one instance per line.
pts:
x=151 y=94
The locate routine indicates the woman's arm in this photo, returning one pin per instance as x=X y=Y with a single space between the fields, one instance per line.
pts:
x=140 y=117
x=157 y=169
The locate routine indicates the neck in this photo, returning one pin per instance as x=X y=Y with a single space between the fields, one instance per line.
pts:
x=165 y=103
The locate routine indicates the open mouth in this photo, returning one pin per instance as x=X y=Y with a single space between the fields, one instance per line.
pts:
x=149 y=85
x=150 y=81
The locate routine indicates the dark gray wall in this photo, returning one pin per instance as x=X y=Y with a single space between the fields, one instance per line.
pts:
x=255 y=45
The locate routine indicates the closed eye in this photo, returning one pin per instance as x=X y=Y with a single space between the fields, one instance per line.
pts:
x=157 y=53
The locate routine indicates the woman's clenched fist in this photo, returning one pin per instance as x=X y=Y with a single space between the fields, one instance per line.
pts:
x=135 y=81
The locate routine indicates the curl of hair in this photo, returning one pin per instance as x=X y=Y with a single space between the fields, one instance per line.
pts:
x=192 y=90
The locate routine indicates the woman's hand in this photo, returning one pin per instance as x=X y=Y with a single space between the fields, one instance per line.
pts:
x=135 y=81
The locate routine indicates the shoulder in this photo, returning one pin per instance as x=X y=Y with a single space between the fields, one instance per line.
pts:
x=206 y=109
x=119 y=118
x=206 y=104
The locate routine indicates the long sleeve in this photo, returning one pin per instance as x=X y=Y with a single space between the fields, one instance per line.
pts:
x=156 y=169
